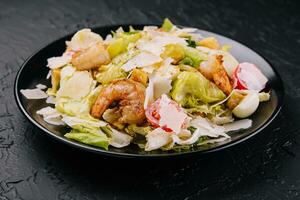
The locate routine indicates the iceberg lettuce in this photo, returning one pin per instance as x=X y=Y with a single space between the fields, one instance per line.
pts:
x=87 y=131
x=109 y=73
x=192 y=89
x=121 y=42
x=99 y=140
x=193 y=57
x=167 y=25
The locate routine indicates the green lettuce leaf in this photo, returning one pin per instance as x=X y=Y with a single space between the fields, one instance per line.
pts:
x=109 y=73
x=117 y=139
x=193 y=57
x=192 y=89
x=87 y=131
x=142 y=130
x=167 y=25
x=99 y=140
x=121 y=42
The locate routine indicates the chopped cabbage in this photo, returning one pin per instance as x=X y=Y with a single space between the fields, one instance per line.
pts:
x=193 y=57
x=121 y=42
x=86 y=131
x=167 y=25
x=117 y=138
x=193 y=89
x=142 y=130
x=99 y=140
x=110 y=72
x=157 y=139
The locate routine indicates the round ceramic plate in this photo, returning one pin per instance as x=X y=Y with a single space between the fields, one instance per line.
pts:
x=34 y=71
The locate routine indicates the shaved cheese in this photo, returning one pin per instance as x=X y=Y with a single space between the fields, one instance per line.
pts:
x=119 y=139
x=158 y=42
x=141 y=60
x=167 y=69
x=168 y=39
x=148 y=69
x=57 y=62
x=41 y=86
x=46 y=111
x=120 y=30
x=54 y=120
x=191 y=140
x=151 y=47
x=157 y=139
x=237 y=125
x=108 y=39
x=219 y=120
x=67 y=71
x=76 y=87
x=207 y=128
x=50 y=100
x=72 y=121
x=49 y=74
x=51 y=116
x=161 y=85
x=263 y=96
x=34 y=93
x=170 y=116
x=148 y=94
x=83 y=39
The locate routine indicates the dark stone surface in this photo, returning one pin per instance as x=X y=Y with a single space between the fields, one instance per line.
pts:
x=33 y=166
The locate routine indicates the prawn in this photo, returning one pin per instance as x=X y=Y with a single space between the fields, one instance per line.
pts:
x=91 y=58
x=213 y=70
x=130 y=96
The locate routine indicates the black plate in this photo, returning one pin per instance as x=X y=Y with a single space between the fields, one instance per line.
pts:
x=34 y=71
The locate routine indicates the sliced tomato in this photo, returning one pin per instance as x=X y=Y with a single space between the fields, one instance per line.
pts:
x=248 y=77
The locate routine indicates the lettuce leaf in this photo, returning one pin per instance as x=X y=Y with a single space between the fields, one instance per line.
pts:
x=87 y=131
x=193 y=57
x=117 y=138
x=99 y=140
x=193 y=89
x=167 y=25
x=113 y=70
x=121 y=42
x=141 y=130
x=109 y=73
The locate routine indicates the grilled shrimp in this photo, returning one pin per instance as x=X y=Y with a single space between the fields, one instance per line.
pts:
x=130 y=96
x=91 y=58
x=213 y=70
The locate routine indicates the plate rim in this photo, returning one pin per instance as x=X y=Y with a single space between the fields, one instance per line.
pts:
x=104 y=152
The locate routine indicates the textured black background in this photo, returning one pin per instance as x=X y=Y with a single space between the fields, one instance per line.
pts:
x=33 y=166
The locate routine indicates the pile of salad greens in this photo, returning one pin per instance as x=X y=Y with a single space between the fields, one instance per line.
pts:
x=194 y=92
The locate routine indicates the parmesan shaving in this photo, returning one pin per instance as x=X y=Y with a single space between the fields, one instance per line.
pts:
x=34 y=93
x=141 y=60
